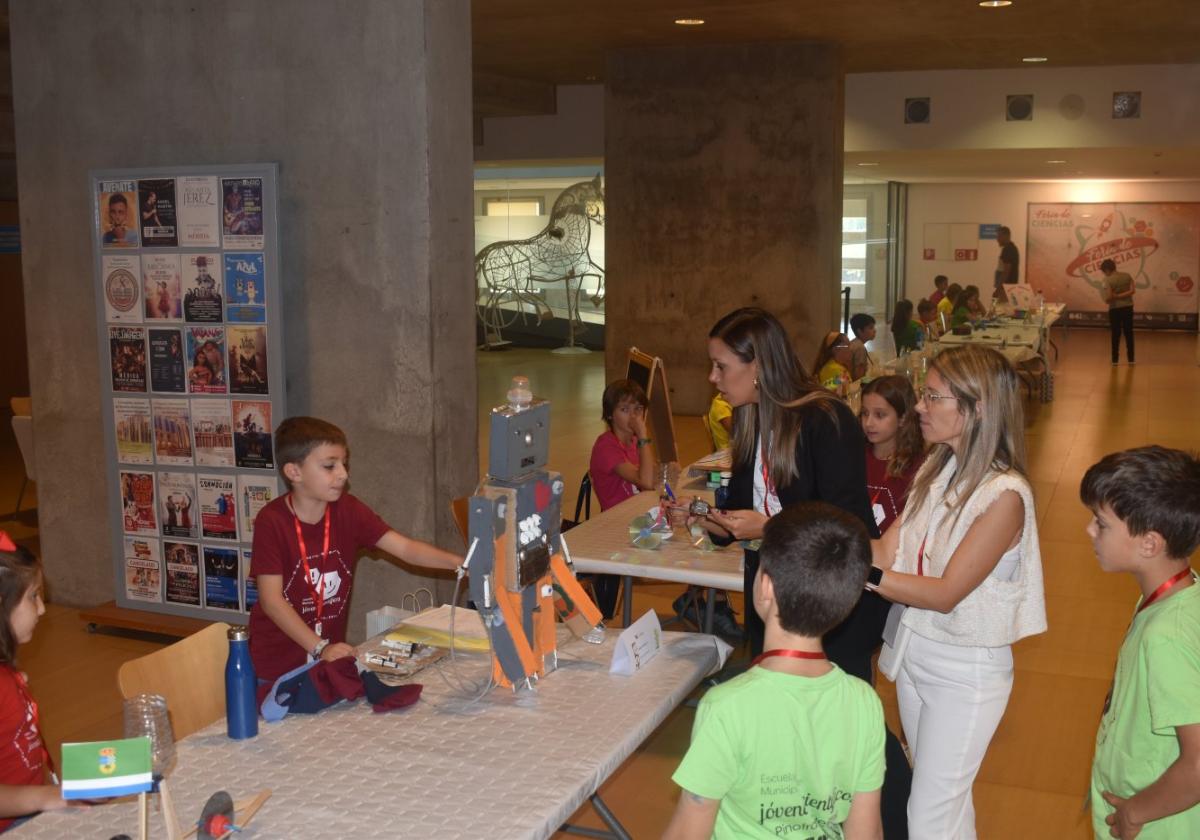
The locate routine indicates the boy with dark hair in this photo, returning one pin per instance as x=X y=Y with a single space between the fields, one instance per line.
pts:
x=1118 y=294
x=794 y=746
x=306 y=544
x=940 y=284
x=1145 y=507
x=863 y=327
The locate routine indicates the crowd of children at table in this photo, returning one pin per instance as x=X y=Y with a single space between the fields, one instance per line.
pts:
x=922 y=500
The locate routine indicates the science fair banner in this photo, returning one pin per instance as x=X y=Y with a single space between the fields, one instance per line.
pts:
x=1157 y=244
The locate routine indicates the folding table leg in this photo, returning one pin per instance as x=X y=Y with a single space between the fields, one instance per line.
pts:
x=627 y=598
x=616 y=831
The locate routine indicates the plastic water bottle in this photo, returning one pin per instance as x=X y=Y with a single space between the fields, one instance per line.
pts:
x=241 y=710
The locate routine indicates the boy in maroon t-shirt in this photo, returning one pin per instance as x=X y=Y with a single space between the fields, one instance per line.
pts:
x=305 y=547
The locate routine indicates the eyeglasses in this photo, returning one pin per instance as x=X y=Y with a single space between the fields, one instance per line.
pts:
x=931 y=397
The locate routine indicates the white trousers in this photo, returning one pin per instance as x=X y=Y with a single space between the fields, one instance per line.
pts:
x=951 y=701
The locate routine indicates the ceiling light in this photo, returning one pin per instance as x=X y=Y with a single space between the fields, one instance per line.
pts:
x=1056 y=161
x=1035 y=59
x=689 y=22
x=869 y=163
x=994 y=4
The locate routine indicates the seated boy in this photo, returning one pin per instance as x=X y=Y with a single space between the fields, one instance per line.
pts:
x=305 y=547
x=927 y=316
x=1145 y=507
x=863 y=327
x=794 y=746
x=941 y=285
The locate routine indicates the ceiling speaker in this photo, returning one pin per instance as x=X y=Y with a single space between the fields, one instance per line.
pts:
x=916 y=110
x=1019 y=107
x=1072 y=106
x=1127 y=105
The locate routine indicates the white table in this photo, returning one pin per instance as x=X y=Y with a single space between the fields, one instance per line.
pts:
x=1018 y=341
x=514 y=766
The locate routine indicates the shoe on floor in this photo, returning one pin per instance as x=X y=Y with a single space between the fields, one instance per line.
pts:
x=725 y=625
x=689 y=609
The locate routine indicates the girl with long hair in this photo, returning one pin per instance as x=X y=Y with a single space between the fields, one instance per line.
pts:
x=895 y=446
x=906 y=331
x=965 y=560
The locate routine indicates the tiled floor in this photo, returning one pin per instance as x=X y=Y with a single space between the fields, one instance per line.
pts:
x=1033 y=780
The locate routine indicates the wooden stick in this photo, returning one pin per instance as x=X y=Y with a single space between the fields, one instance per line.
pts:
x=168 y=811
x=143 y=816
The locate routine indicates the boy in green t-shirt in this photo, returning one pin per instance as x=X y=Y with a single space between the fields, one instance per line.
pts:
x=793 y=747
x=1146 y=521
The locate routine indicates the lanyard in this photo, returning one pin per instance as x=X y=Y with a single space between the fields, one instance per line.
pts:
x=768 y=485
x=1161 y=590
x=793 y=654
x=318 y=588
x=31 y=704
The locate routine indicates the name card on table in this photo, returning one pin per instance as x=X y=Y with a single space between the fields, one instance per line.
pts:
x=637 y=645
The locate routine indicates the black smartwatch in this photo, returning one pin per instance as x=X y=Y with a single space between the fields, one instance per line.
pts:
x=874 y=578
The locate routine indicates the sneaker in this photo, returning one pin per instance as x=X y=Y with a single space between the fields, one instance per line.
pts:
x=725 y=625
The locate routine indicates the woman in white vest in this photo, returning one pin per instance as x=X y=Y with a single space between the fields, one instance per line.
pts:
x=964 y=559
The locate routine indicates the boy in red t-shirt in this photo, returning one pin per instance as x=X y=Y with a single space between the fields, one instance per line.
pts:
x=305 y=547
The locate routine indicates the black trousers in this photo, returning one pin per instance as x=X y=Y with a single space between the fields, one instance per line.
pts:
x=1120 y=320
x=850 y=646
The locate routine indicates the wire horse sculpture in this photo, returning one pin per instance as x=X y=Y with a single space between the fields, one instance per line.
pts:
x=505 y=272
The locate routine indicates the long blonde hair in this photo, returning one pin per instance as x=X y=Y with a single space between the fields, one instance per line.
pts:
x=993 y=434
x=754 y=334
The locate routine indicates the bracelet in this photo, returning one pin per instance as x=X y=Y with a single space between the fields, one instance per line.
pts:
x=644 y=441
x=318 y=649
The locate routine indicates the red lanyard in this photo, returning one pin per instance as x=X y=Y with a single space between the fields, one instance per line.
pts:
x=875 y=498
x=23 y=690
x=768 y=485
x=318 y=588
x=1162 y=588
x=792 y=654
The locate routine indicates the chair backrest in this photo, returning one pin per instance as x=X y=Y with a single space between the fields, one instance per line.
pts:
x=21 y=406
x=584 y=501
x=459 y=510
x=22 y=427
x=190 y=674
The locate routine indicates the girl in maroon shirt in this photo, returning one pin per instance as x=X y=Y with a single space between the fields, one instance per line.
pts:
x=895 y=446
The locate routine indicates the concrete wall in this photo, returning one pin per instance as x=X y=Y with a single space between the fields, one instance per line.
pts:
x=723 y=175
x=366 y=106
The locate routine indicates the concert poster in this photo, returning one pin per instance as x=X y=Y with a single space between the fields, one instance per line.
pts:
x=183 y=573
x=252 y=444
x=249 y=584
x=137 y=503
x=122 y=287
x=221 y=578
x=156 y=212
x=131 y=425
x=202 y=282
x=213 y=433
x=245 y=289
x=242 y=213
x=218 y=508
x=128 y=359
x=117 y=213
x=205 y=360
x=167 y=372
x=177 y=504
x=172 y=432
x=199 y=211
x=161 y=287
x=143 y=570
x=247 y=359
x=253 y=495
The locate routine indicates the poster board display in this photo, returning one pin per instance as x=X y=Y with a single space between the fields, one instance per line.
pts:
x=190 y=317
x=647 y=371
x=1155 y=243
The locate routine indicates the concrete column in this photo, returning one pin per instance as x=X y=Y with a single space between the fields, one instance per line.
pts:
x=723 y=188
x=367 y=108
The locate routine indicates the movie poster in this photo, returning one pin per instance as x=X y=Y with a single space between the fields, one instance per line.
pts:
x=199 y=211
x=128 y=359
x=242 y=216
x=252 y=434
x=156 y=203
x=162 y=287
x=131 y=426
x=202 y=280
x=218 y=510
x=250 y=586
x=116 y=211
x=122 y=287
x=183 y=573
x=247 y=359
x=245 y=289
x=167 y=372
x=137 y=503
x=143 y=570
x=253 y=495
x=177 y=504
x=206 y=360
x=221 y=578
x=172 y=432
x=213 y=433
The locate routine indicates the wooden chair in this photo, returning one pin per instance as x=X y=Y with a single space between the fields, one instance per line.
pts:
x=190 y=674
x=459 y=510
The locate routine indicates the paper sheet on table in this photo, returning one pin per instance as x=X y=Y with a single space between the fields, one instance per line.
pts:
x=432 y=627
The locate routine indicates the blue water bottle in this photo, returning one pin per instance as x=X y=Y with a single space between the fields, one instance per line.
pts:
x=241 y=710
